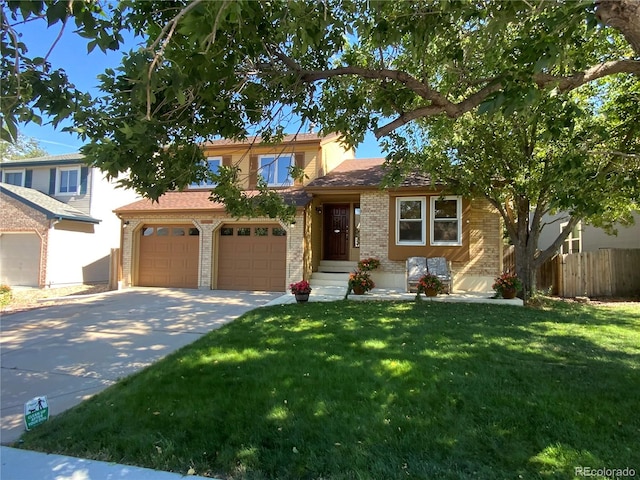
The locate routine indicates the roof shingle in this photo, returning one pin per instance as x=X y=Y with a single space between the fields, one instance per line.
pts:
x=51 y=207
x=199 y=200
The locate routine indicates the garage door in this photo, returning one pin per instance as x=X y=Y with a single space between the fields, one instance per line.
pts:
x=169 y=256
x=20 y=259
x=252 y=257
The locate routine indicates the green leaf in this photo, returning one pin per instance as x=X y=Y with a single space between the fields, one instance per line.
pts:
x=57 y=12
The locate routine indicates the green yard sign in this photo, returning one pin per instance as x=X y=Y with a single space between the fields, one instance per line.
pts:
x=36 y=411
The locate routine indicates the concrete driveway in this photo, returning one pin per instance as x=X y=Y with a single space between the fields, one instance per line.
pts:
x=71 y=351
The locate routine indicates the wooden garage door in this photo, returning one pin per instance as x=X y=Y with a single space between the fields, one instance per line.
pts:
x=20 y=259
x=252 y=257
x=169 y=256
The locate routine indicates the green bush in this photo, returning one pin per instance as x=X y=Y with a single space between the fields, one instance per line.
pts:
x=5 y=295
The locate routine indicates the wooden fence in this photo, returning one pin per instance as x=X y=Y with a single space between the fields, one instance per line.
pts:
x=603 y=273
x=115 y=272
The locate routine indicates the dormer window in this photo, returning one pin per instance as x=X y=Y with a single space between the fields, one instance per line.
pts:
x=276 y=170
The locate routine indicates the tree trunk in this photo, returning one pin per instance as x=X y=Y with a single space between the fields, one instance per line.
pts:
x=624 y=16
x=525 y=268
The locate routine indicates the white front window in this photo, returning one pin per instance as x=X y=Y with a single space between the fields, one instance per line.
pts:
x=275 y=170
x=68 y=181
x=212 y=164
x=13 y=177
x=410 y=221
x=446 y=221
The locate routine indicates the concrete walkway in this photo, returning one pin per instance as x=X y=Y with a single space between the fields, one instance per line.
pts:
x=19 y=464
x=72 y=351
x=331 y=294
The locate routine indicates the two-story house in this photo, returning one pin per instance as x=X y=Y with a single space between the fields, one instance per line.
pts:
x=57 y=225
x=343 y=215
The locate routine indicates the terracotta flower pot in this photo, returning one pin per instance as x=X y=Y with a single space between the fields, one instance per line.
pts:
x=302 y=297
x=431 y=292
x=508 y=293
x=358 y=290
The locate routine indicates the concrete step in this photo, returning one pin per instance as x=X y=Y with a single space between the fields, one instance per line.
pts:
x=336 y=266
x=329 y=279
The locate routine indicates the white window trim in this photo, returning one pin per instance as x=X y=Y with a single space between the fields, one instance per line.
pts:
x=59 y=181
x=23 y=171
x=275 y=164
x=423 y=208
x=207 y=183
x=432 y=216
x=570 y=238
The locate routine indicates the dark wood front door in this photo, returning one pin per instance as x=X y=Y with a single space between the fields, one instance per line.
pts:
x=336 y=232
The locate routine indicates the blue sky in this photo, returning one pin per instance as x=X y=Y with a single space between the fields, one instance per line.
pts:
x=70 y=53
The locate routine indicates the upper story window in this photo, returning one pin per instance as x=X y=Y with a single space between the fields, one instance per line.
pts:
x=446 y=221
x=275 y=170
x=573 y=243
x=213 y=164
x=68 y=181
x=14 y=177
x=410 y=221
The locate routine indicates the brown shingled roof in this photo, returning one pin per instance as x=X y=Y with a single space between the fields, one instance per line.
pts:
x=199 y=200
x=362 y=173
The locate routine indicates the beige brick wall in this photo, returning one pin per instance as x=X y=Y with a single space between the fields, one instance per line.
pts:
x=15 y=216
x=485 y=244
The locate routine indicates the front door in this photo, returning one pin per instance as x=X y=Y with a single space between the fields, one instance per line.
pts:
x=336 y=232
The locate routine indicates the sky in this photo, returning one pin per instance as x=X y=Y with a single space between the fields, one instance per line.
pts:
x=70 y=53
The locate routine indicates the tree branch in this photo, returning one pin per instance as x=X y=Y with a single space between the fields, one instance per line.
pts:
x=168 y=30
x=439 y=103
x=595 y=72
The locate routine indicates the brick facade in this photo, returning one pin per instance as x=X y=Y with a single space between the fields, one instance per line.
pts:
x=485 y=244
x=16 y=217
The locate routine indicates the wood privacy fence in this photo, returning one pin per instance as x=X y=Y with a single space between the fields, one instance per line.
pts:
x=115 y=272
x=603 y=273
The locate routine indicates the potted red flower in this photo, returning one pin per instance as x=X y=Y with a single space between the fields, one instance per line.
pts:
x=430 y=284
x=507 y=285
x=301 y=290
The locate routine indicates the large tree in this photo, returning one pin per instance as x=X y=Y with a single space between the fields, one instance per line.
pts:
x=230 y=68
x=560 y=153
x=22 y=147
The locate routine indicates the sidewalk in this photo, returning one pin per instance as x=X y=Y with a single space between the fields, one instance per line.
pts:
x=331 y=294
x=19 y=464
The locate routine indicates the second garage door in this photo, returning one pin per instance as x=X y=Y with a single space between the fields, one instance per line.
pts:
x=252 y=257
x=20 y=259
x=169 y=256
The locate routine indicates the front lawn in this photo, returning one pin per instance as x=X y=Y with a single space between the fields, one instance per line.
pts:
x=378 y=390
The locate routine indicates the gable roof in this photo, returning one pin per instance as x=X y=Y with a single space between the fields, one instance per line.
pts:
x=64 y=159
x=198 y=200
x=362 y=173
x=52 y=208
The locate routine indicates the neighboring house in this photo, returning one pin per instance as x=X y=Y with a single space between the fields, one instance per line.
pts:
x=57 y=225
x=587 y=238
x=185 y=240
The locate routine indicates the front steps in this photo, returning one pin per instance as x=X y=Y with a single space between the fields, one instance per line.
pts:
x=332 y=273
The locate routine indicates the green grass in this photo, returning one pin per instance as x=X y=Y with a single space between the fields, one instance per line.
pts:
x=378 y=390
